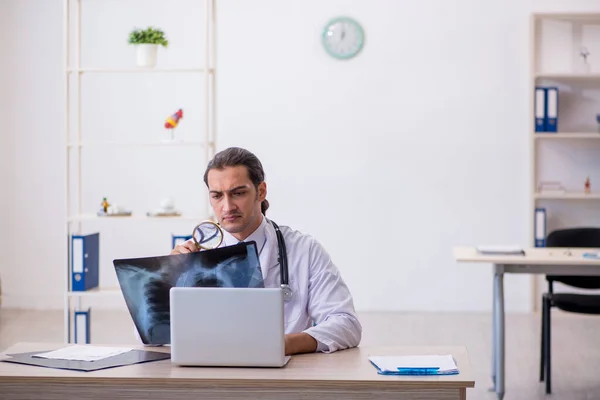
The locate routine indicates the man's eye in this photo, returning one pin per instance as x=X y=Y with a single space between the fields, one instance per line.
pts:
x=239 y=193
x=216 y=196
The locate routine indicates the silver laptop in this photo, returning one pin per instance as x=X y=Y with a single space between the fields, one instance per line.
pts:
x=227 y=327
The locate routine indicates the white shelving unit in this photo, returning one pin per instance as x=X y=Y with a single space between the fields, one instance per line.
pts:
x=571 y=154
x=203 y=139
x=568 y=136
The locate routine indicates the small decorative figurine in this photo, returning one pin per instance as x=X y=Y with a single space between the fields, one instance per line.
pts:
x=105 y=205
x=112 y=210
x=172 y=122
x=588 y=189
x=584 y=53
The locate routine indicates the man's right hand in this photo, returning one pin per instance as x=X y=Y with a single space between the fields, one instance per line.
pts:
x=186 y=247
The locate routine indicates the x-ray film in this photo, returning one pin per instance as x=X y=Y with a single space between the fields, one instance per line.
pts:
x=146 y=282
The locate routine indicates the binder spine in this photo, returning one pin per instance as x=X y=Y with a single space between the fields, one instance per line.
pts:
x=84 y=262
x=540 y=109
x=540 y=227
x=552 y=109
x=77 y=264
x=82 y=326
x=179 y=239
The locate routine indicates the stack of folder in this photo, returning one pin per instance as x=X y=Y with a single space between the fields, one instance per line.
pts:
x=415 y=365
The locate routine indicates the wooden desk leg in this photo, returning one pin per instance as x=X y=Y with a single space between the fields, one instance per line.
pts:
x=499 y=328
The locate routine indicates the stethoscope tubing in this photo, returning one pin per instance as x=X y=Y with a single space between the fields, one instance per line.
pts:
x=283 y=263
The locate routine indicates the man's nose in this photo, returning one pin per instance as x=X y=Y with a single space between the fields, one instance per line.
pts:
x=228 y=205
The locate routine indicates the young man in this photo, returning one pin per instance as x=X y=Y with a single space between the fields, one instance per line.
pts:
x=320 y=315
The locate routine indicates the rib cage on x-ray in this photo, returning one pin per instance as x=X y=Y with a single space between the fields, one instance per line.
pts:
x=145 y=282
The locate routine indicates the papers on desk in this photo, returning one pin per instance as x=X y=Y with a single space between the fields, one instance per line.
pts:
x=415 y=365
x=594 y=255
x=83 y=353
x=499 y=250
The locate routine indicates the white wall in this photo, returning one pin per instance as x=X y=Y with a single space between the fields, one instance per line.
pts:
x=32 y=68
x=6 y=160
x=390 y=159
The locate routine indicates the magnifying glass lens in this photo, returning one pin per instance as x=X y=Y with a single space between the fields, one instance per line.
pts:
x=208 y=235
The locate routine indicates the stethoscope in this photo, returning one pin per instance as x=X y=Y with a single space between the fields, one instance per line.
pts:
x=283 y=266
x=208 y=235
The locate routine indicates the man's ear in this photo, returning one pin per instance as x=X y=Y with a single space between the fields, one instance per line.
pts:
x=262 y=191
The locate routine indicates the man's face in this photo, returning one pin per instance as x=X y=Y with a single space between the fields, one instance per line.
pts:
x=235 y=200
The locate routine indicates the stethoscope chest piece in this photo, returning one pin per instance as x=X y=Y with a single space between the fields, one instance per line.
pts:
x=287 y=292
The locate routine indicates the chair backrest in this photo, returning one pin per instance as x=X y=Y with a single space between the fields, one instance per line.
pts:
x=575 y=237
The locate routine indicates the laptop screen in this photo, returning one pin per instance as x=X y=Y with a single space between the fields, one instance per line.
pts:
x=145 y=282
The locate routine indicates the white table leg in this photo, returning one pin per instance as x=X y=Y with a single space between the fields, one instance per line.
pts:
x=499 y=329
x=494 y=326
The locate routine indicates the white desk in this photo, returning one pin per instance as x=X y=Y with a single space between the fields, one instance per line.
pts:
x=547 y=261
x=345 y=374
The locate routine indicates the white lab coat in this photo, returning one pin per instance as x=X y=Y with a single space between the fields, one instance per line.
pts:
x=321 y=304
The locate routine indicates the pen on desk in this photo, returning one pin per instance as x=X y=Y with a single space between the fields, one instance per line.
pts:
x=418 y=371
x=591 y=255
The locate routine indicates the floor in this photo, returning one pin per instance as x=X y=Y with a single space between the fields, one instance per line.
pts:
x=575 y=344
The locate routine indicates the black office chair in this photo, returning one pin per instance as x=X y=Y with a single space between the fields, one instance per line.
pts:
x=571 y=302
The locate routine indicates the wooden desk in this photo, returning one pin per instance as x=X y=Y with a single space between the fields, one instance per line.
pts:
x=552 y=261
x=342 y=375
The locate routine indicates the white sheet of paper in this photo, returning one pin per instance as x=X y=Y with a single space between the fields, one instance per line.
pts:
x=499 y=249
x=392 y=363
x=83 y=353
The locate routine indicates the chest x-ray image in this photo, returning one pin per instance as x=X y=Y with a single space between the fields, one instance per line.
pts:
x=145 y=282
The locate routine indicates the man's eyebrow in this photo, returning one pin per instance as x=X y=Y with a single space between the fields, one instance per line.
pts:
x=231 y=190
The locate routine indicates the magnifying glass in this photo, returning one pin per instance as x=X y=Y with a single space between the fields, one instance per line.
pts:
x=207 y=235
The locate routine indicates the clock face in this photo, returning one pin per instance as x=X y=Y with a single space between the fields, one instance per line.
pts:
x=343 y=38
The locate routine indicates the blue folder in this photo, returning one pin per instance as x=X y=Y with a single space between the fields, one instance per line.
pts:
x=179 y=239
x=85 y=253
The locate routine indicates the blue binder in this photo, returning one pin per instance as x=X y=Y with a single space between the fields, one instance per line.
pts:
x=84 y=261
x=540 y=109
x=178 y=239
x=540 y=227
x=82 y=326
x=552 y=109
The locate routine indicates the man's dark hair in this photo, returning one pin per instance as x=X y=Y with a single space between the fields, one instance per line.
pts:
x=236 y=156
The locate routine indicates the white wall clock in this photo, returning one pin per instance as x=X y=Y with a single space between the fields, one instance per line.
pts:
x=343 y=38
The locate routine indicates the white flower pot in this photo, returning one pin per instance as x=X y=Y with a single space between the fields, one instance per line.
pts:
x=146 y=55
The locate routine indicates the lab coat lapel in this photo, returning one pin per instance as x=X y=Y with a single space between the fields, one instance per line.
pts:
x=268 y=260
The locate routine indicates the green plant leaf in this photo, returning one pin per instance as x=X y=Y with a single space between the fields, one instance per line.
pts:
x=149 y=35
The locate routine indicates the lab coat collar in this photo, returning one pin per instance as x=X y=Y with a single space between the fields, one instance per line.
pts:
x=271 y=249
x=258 y=236
x=266 y=244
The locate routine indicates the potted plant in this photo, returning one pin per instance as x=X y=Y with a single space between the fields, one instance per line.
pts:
x=147 y=42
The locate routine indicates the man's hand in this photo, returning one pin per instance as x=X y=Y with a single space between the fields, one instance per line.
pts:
x=296 y=343
x=186 y=247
